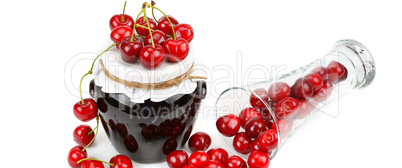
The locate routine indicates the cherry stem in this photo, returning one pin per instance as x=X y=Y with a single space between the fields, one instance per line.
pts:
x=93 y=130
x=90 y=71
x=135 y=22
x=145 y=27
x=124 y=10
x=95 y=160
x=149 y=28
x=96 y=133
x=171 y=25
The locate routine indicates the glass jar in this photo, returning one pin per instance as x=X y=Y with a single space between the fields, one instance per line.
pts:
x=147 y=132
x=286 y=102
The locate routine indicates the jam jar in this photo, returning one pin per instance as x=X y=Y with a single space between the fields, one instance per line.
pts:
x=284 y=103
x=145 y=128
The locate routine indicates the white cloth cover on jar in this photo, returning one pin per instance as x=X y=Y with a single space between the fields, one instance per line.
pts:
x=135 y=72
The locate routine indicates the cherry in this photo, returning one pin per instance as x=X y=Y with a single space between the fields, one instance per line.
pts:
x=213 y=164
x=164 y=25
x=278 y=91
x=315 y=81
x=131 y=144
x=302 y=89
x=176 y=50
x=143 y=31
x=323 y=94
x=76 y=154
x=218 y=154
x=198 y=158
x=268 y=140
x=120 y=161
x=158 y=36
x=92 y=164
x=184 y=31
x=285 y=127
x=82 y=135
x=254 y=145
x=256 y=102
x=255 y=127
x=235 y=162
x=200 y=141
x=169 y=146
x=117 y=21
x=304 y=109
x=85 y=111
x=92 y=88
x=241 y=143
x=335 y=71
x=265 y=114
x=321 y=71
x=258 y=159
x=119 y=33
x=286 y=108
x=188 y=166
x=151 y=57
x=247 y=114
x=228 y=125
x=177 y=159
x=130 y=50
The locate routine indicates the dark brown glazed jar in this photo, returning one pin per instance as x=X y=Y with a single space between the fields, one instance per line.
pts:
x=147 y=132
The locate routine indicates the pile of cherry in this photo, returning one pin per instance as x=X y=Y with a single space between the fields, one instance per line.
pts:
x=155 y=39
x=260 y=137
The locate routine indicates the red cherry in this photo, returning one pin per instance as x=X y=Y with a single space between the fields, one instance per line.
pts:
x=213 y=164
x=130 y=50
x=241 y=143
x=158 y=36
x=198 y=158
x=258 y=159
x=254 y=145
x=302 y=89
x=235 y=162
x=116 y=21
x=324 y=93
x=189 y=166
x=177 y=159
x=131 y=144
x=87 y=111
x=142 y=31
x=255 y=101
x=92 y=164
x=321 y=71
x=176 y=50
x=200 y=141
x=184 y=31
x=304 y=109
x=315 y=81
x=286 y=108
x=76 y=154
x=81 y=136
x=255 y=127
x=247 y=114
x=285 y=127
x=218 y=154
x=164 y=25
x=278 y=91
x=151 y=57
x=119 y=33
x=335 y=71
x=121 y=161
x=228 y=125
x=268 y=140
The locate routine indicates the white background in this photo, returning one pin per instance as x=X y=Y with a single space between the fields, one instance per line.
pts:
x=39 y=37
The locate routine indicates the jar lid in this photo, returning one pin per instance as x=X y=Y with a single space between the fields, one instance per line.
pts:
x=135 y=72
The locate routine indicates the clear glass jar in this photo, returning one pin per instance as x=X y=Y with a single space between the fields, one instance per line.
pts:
x=286 y=102
x=147 y=132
